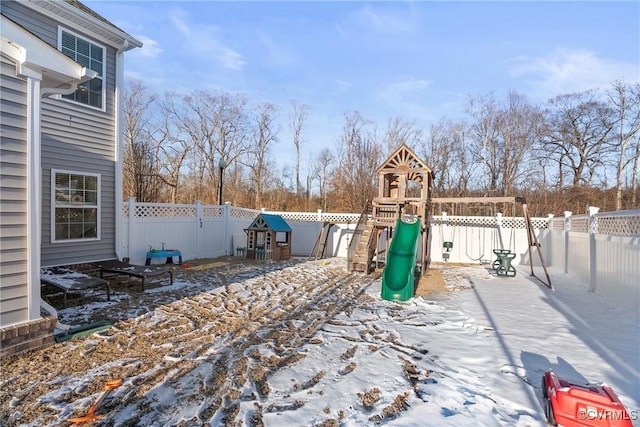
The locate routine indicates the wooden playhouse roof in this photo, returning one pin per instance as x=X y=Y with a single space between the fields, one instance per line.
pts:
x=404 y=160
x=269 y=222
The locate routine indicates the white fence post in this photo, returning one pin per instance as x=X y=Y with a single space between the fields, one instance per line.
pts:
x=592 y=247
x=499 y=229
x=548 y=249
x=565 y=232
x=198 y=225
x=132 y=214
x=227 y=237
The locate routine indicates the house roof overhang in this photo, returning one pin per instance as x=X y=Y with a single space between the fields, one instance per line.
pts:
x=33 y=54
x=74 y=14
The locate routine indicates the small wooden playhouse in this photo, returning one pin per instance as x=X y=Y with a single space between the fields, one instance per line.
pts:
x=268 y=237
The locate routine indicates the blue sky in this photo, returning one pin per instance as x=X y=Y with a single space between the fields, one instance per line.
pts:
x=417 y=60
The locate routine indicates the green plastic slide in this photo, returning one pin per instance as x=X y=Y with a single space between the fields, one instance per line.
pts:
x=397 y=276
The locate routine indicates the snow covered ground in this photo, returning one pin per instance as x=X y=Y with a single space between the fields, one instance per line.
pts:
x=307 y=344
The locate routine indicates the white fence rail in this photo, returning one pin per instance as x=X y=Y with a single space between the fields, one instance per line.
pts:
x=600 y=249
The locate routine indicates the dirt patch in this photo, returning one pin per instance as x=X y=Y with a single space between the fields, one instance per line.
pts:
x=432 y=283
x=257 y=317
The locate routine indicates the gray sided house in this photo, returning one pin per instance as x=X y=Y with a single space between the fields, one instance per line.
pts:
x=60 y=167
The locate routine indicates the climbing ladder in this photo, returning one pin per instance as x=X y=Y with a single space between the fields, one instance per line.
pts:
x=363 y=256
x=361 y=247
x=320 y=247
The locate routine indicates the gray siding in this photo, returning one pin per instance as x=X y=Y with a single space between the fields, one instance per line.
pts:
x=76 y=138
x=71 y=140
x=13 y=200
x=37 y=24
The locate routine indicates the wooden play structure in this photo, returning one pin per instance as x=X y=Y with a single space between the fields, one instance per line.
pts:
x=404 y=197
x=268 y=238
x=404 y=191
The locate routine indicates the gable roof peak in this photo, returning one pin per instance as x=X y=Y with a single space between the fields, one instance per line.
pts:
x=403 y=158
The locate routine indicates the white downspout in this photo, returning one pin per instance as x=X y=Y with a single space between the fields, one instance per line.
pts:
x=119 y=124
x=52 y=311
x=34 y=192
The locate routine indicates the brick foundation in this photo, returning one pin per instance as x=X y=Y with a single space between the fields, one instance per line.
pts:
x=28 y=336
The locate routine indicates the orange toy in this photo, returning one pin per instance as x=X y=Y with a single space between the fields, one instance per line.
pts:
x=91 y=416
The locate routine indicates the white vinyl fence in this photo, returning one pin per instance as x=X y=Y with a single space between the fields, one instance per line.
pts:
x=600 y=249
x=200 y=231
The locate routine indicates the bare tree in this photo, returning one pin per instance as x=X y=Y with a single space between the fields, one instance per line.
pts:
x=264 y=136
x=174 y=155
x=215 y=124
x=322 y=170
x=485 y=138
x=359 y=155
x=625 y=100
x=503 y=136
x=448 y=156
x=400 y=131
x=579 y=130
x=519 y=128
x=297 y=119
x=140 y=175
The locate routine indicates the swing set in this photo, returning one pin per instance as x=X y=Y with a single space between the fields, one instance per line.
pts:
x=502 y=264
x=447 y=245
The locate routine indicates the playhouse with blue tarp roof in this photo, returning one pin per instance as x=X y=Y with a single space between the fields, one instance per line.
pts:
x=268 y=238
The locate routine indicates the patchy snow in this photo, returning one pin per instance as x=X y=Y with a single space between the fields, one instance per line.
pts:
x=305 y=343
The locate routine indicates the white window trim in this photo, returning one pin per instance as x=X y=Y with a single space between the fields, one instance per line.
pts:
x=53 y=206
x=103 y=74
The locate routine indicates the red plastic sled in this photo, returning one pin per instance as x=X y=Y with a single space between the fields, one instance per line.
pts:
x=570 y=404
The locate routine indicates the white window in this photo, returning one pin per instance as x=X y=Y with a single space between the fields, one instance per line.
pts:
x=75 y=211
x=91 y=56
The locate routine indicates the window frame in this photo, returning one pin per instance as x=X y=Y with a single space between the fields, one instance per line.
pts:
x=101 y=76
x=97 y=206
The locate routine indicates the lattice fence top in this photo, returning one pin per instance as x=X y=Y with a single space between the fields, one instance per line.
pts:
x=340 y=217
x=628 y=225
x=297 y=216
x=336 y=218
x=164 y=211
x=243 y=213
x=488 y=221
x=212 y=211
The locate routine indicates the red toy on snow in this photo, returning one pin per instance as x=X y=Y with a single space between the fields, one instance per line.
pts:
x=571 y=404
